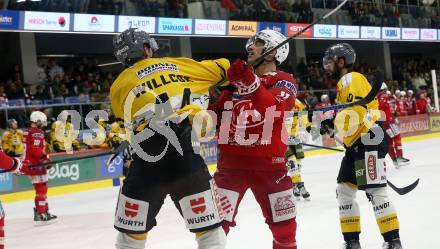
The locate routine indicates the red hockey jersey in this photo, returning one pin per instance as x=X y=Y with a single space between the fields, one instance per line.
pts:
x=35 y=143
x=256 y=129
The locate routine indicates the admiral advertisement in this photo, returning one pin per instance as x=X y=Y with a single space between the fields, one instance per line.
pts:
x=210 y=27
x=413 y=125
x=428 y=34
x=94 y=23
x=46 y=21
x=175 y=26
x=147 y=24
x=280 y=27
x=348 y=32
x=239 y=28
x=9 y=19
x=324 y=31
x=389 y=33
x=410 y=34
x=368 y=32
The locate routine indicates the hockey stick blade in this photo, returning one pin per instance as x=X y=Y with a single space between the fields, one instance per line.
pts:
x=404 y=190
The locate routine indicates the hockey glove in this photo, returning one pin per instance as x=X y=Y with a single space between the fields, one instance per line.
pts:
x=243 y=77
x=327 y=127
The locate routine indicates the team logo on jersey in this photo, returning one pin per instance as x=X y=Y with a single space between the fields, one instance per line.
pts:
x=131 y=209
x=198 y=205
x=371 y=164
x=158 y=67
x=289 y=85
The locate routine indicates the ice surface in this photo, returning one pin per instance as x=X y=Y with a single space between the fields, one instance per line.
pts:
x=86 y=218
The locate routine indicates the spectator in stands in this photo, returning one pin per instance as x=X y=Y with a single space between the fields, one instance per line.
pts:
x=3 y=96
x=41 y=73
x=14 y=92
x=55 y=69
x=41 y=93
x=228 y=4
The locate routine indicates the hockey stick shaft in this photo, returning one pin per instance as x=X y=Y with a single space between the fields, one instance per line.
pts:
x=117 y=150
x=322 y=147
x=256 y=61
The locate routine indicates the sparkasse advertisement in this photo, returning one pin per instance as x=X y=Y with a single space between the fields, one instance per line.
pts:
x=147 y=24
x=175 y=26
x=210 y=27
x=240 y=28
x=390 y=33
x=324 y=31
x=293 y=28
x=46 y=21
x=94 y=23
x=9 y=19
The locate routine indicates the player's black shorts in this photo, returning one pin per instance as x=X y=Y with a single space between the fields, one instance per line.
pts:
x=363 y=165
x=148 y=183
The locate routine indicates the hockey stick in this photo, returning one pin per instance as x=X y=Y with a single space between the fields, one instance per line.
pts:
x=256 y=61
x=400 y=191
x=322 y=147
x=124 y=144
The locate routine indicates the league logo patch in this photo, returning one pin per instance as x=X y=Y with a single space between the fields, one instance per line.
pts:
x=289 y=85
x=198 y=205
x=131 y=209
x=371 y=165
x=282 y=205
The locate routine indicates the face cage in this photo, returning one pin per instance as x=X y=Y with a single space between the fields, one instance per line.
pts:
x=327 y=62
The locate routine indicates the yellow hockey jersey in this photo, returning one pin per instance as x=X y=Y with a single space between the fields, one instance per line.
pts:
x=62 y=137
x=182 y=81
x=303 y=119
x=12 y=143
x=352 y=122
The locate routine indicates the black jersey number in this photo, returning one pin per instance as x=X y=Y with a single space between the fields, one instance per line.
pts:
x=350 y=98
x=167 y=108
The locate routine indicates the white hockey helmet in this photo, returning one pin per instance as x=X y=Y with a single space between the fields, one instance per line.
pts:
x=38 y=117
x=384 y=86
x=397 y=93
x=324 y=97
x=410 y=92
x=389 y=92
x=402 y=93
x=271 y=39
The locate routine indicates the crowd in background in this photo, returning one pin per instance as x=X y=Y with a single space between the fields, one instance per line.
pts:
x=423 y=13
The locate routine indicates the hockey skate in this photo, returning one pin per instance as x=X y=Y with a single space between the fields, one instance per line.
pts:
x=393 y=244
x=296 y=192
x=301 y=191
x=45 y=218
x=401 y=161
x=352 y=244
